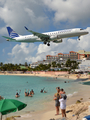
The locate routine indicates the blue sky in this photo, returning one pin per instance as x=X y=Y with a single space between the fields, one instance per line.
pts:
x=42 y=16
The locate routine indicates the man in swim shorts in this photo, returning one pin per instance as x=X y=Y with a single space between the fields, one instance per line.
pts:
x=56 y=98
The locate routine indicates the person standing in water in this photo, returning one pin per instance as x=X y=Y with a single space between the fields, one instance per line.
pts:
x=32 y=92
x=18 y=94
x=56 y=98
x=26 y=93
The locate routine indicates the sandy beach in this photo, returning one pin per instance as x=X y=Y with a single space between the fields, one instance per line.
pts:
x=74 y=111
x=72 y=108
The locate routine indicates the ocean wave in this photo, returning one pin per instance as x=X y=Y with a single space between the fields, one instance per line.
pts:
x=70 y=95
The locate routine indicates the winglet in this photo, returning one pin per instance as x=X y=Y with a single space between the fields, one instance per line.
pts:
x=26 y=28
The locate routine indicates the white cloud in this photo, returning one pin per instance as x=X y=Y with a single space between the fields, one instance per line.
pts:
x=70 y=11
x=21 y=52
x=38 y=15
x=20 y=13
x=31 y=52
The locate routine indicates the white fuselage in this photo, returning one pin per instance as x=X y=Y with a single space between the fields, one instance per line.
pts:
x=55 y=35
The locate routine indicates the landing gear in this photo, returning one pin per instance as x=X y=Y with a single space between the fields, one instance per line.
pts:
x=48 y=44
x=45 y=42
x=78 y=37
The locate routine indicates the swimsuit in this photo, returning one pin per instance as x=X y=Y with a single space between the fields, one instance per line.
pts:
x=57 y=103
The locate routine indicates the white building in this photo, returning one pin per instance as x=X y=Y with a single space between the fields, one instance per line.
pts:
x=85 y=65
x=44 y=62
x=33 y=65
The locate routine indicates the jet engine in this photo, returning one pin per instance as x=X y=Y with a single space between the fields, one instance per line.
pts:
x=55 y=37
x=57 y=41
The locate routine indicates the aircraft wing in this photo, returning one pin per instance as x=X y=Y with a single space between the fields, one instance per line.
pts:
x=43 y=37
x=8 y=38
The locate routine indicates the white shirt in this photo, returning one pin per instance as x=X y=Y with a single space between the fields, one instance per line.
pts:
x=62 y=103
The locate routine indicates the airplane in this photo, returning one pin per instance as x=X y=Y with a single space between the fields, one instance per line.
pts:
x=46 y=38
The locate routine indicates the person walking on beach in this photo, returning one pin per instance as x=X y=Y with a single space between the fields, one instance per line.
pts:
x=62 y=101
x=56 y=98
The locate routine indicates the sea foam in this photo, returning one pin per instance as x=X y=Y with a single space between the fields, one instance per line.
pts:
x=70 y=95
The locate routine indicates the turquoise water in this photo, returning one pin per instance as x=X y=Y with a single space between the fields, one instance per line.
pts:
x=86 y=83
x=9 y=85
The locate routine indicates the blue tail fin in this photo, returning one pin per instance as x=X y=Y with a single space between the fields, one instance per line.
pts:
x=12 y=33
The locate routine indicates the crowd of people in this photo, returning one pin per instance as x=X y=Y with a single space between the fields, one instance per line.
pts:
x=60 y=101
x=29 y=93
x=59 y=97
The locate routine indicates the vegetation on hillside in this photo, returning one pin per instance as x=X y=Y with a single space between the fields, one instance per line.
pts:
x=68 y=66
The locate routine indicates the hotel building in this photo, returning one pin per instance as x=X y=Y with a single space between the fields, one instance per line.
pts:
x=62 y=58
x=72 y=56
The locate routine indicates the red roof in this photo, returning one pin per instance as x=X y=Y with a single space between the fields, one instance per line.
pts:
x=72 y=52
x=48 y=55
x=60 y=54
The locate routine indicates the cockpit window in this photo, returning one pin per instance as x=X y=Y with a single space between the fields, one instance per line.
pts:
x=81 y=29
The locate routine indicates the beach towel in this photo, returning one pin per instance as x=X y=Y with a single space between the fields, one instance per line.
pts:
x=86 y=117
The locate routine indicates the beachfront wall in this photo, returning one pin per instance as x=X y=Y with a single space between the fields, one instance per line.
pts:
x=50 y=72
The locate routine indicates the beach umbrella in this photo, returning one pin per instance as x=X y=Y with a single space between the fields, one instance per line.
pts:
x=10 y=105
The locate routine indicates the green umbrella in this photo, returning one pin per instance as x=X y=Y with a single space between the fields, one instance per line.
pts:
x=10 y=105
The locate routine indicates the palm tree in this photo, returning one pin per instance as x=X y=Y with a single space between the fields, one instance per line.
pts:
x=1 y=64
x=26 y=64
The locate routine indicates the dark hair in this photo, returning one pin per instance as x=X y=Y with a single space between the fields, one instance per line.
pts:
x=58 y=87
x=64 y=96
x=61 y=89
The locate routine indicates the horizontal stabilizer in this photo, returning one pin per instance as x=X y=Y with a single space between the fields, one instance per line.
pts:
x=8 y=38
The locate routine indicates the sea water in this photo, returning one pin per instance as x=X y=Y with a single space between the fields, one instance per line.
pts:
x=86 y=83
x=9 y=85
